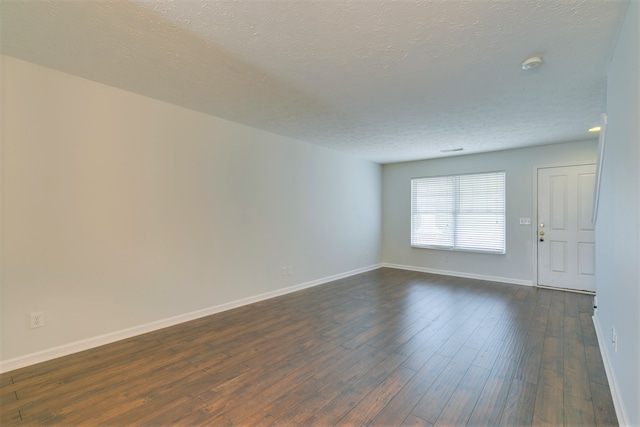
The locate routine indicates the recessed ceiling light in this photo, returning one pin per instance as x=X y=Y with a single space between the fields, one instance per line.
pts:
x=451 y=150
x=595 y=129
x=532 y=63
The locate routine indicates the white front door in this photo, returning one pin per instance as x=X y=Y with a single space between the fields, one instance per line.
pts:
x=566 y=238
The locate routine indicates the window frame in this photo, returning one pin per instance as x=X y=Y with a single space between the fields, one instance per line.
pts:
x=455 y=214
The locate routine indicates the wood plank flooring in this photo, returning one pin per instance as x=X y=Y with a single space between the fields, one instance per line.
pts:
x=384 y=348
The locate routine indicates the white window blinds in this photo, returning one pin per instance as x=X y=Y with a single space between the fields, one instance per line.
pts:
x=460 y=212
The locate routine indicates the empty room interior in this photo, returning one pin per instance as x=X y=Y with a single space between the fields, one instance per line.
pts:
x=317 y=212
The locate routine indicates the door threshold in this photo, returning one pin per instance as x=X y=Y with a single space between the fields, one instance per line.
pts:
x=576 y=291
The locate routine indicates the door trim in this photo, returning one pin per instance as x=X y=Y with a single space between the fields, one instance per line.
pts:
x=534 y=228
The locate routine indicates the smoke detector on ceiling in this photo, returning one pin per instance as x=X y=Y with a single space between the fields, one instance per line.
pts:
x=532 y=63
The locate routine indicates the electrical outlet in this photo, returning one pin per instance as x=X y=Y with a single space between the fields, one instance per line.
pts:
x=283 y=271
x=36 y=319
x=290 y=270
x=446 y=258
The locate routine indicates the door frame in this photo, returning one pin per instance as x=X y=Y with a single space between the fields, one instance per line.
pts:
x=534 y=228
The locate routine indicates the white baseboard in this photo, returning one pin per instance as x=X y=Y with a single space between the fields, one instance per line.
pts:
x=575 y=291
x=86 y=344
x=621 y=412
x=461 y=274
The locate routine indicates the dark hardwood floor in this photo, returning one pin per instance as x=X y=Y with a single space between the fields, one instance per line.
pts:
x=387 y=347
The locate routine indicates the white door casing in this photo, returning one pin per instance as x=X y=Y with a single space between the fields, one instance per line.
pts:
x=566 y=237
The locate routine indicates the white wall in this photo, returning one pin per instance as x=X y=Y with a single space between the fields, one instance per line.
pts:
x=618 y=224
x=517 y=265
x=120 y=211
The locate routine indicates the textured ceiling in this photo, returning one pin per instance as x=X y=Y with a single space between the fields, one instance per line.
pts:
x=383 y=80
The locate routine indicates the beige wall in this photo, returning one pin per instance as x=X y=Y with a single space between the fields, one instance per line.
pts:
x=517 y=265
x=618 y=225
x=121 y=211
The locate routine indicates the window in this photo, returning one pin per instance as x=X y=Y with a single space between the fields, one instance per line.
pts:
x=459 y=212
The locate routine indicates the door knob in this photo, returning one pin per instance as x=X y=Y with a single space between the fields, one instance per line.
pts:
x=542 y=233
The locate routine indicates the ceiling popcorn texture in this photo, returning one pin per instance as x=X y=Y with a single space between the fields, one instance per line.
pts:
x=385 y=81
